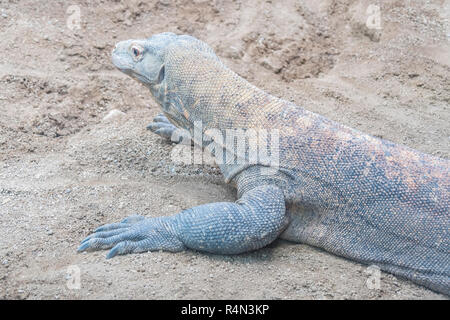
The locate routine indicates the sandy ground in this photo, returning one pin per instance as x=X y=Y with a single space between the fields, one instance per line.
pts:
x=65 y=170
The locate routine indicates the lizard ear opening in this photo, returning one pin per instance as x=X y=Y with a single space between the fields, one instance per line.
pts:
x=161 y=74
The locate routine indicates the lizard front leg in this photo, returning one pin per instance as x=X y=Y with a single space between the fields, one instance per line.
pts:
x=250 y=223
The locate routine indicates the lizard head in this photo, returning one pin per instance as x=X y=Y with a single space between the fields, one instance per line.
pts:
x=151 y=62
x=143 y=59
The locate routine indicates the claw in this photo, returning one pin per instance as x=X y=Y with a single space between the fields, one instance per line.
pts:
x=119 y=248
x=83 y=247
x=111 y=254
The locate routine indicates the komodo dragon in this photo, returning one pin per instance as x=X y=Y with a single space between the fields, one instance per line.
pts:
x=333 y=187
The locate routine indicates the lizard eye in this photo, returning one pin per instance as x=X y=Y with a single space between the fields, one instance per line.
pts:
x=136 y=52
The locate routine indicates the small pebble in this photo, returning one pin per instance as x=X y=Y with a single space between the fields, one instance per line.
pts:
x=113 y=114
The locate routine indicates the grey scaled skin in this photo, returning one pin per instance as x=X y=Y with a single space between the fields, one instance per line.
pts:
x=333 y=187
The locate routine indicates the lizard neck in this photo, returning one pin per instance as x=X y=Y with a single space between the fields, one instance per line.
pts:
x=204 y=90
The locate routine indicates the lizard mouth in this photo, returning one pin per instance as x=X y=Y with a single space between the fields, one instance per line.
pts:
x=121 y=63
x=127 y=68
x=146 y=80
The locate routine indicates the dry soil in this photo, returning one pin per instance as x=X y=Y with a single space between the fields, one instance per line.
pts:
x=64 y=169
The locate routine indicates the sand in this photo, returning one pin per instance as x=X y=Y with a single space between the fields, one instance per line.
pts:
x=66 y=169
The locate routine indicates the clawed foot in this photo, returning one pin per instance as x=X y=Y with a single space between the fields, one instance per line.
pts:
x=134 y=234
x=161 y=126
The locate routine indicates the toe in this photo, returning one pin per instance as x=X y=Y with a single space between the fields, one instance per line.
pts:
x=165 y=132
x=104 y=234
x=129 y=247
x=161 y=118
x=106 y=243
x=155 y=126
x=120 y=248
x=112 y=226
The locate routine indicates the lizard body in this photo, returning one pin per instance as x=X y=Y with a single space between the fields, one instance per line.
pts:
x=332 y=187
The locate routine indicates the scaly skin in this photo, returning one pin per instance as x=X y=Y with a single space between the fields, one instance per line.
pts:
x=333 y=187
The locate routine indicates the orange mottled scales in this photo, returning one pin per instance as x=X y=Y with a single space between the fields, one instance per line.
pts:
x=314 y=181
